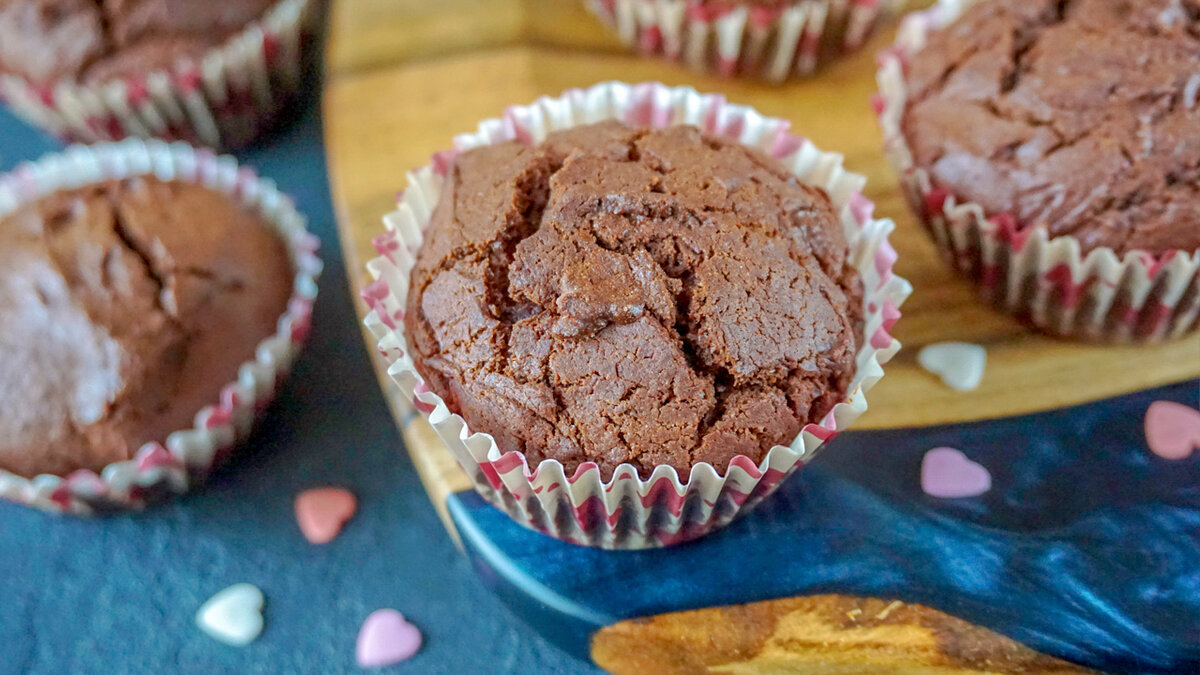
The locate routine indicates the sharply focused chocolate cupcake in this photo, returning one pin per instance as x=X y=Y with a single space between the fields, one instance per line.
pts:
x=131 y=305
x=1048 y=134
x=216 y=72
x=629 y=295
x=643 y=328
x=771 y=40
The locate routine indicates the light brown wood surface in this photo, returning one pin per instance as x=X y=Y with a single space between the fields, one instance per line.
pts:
x=405 y=76
x=821 y=635
x=370 y=35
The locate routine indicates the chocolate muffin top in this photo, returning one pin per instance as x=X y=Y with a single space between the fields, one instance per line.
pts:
x=1078 y=116
x=630 y=295
x=127 y=307
x=98 y=40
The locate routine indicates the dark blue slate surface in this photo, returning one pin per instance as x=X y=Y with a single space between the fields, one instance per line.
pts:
x=1087 y=546
x=118 y=595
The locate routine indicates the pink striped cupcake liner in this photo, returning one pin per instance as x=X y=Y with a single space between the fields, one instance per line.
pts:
x=627 y=511
x=737 y=39
x=1047 y=281
x=226 y=100
x=170 y=467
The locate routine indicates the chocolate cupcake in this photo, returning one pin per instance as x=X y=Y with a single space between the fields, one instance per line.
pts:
x=1069 y=128
x=630 y=328
x=767 y=39
x=125 y=317
x=632 y=295
x=133 y=304
x=95 y=41
x=216 y=72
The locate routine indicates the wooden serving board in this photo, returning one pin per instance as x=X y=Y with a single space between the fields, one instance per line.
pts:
x=405 y=76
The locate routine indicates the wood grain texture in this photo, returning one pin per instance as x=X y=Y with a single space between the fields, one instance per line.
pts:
x=372 y=34
x=821 y=635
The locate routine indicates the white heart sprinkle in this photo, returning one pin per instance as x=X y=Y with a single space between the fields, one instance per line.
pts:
x=233 y=616
x=959 y=364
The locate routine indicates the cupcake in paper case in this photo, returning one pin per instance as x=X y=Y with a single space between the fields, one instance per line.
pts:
x=771 y=40
x=154 y=298
x=632 y=310
x=1051 y=150
x=218 y=73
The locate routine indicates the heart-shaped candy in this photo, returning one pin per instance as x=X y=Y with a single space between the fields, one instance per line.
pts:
x=233 y=616
x=386 y=638
x=948 y=473
x=959 y=364
x=1172 y=429
x=321 y=513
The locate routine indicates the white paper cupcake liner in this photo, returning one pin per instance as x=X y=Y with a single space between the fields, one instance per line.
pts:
x=185 y=456
x=627 y=511
x=226 y=100
x=1048 y=281
x=769 y=43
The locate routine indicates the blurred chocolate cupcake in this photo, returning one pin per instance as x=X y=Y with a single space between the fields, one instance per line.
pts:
x=771 y=40
x=1051 y=148
x=137 y=308
x=216 y=73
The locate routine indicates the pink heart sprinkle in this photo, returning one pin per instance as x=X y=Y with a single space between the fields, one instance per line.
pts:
x=321 y=513
x=386 y=638
x=1172 y=429
x=948 y=473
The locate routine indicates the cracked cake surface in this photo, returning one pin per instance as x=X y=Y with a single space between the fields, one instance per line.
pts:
x=127 y=306
x=1078 y=116
x=619 y=294
x=98 y=40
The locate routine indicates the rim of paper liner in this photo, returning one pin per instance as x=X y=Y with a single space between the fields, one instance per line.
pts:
x=1037 y=251
x=656 y=105
x=185 y=92
x=187 y=453
x=737 y=40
